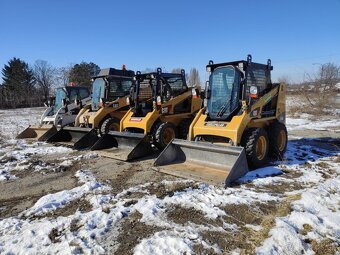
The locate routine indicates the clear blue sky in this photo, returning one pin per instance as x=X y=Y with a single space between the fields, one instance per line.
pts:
x=142 y=34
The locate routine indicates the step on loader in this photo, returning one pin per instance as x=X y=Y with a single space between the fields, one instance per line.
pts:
x=162 y=109
x=241 y=125
x=110 y=101
x=61 y=111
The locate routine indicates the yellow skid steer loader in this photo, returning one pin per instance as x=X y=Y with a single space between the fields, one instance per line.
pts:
x=61 y=111
x=241 y=125
x=162 y=109
x=110 y=102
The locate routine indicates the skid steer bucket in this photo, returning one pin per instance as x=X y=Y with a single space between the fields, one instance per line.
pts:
x=203 y=161
x=124 y=146
x=41 y=133
x=78 y=138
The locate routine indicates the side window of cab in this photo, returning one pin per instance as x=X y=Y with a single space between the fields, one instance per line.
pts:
x=83 y=93
x=73 y=94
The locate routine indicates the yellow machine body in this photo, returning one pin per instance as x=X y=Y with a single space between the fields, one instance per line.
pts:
x=146 y=123
x=116 y=109
x=234 y=129
x=223 y=144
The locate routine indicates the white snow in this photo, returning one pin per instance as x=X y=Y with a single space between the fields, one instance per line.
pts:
x=164 y=242
x=319 y=208
x=14 y=121
x=307 y=123
x=51 y=202
x=284 y=240
x=31 y=236
x=16 y=155
x=261 y=173
x=29 y=232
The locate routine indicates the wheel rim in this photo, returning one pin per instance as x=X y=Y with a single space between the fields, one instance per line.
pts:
x=168 y=135
x=261 y=147
x=281 y=141
x=114 y=127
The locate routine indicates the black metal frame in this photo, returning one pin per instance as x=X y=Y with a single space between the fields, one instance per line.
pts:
x=247 y=66
x=109 y=73
x=158 y=76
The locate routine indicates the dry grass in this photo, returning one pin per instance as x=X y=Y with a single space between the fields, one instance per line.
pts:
x=269 y=221
x=311 y=103
x=306 y=228
x=323 y=165
x=246 y=239
x=325 y=246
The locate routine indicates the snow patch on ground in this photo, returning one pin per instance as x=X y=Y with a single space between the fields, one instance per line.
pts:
x=51 y=202
x=16 y=155
x=14 y=121
x=32 y=236
x=261 y=173
x=306 y=123
x=81 y=232
x=317 y=208
x=165 y=242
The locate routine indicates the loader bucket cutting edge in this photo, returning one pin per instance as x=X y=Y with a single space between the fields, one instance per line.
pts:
x=35 y=132
x=123 y=146
x=53 y=130
x=78 y=138
x=201 y=161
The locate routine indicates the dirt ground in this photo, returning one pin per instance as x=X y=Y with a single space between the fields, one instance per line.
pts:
x=20 y=194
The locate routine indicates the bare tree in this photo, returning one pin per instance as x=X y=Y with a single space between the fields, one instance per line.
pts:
x=328 y=76
x=62 y=75
x=176 y=70
x=149 y=70
x=194 y=78
x=319 y=88
x=284 y=79
x=44 y=74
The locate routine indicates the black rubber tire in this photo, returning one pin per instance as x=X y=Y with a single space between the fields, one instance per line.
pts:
x=183 y=128
x=105 y=126
x=276 y=150
x=159 y=132
x=249 y=142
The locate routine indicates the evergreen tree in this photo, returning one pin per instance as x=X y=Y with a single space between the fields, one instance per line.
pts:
x=18 y=76
x=82 y=73
x=18 y=83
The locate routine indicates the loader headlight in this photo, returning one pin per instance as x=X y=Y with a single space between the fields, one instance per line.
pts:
x=253 y=91
x=193 y=93
x=101 y=102
x=128 y=100
x=209 y=69
x=159 y=100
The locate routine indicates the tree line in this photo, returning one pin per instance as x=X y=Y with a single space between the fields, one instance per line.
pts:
x=25 y=85
x=319 y=89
